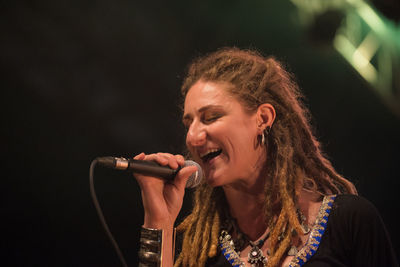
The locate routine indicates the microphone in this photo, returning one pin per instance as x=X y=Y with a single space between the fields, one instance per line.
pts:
x=152 y=168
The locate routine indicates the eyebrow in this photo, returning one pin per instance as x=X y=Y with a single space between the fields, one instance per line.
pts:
x=187 y=116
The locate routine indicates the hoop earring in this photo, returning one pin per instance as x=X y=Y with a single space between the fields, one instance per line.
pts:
x=265 y=135
x=263 y=138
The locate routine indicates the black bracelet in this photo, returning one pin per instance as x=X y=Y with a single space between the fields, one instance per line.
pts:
x=150 y=247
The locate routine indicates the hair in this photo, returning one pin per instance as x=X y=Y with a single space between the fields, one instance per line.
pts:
x=295 y=160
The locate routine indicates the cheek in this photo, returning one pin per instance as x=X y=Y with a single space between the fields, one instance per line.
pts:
x=243 y=150
x=242 y=139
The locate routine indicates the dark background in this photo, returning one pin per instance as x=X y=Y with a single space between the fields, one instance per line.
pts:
x=82 y=79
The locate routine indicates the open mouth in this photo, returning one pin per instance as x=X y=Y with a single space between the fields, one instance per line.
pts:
x=211 y=154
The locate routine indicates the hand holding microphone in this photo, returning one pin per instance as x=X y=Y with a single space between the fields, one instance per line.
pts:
x=162 y=178
x=162 y=201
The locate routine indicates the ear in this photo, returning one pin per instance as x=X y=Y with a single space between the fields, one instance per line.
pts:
x=265 y=116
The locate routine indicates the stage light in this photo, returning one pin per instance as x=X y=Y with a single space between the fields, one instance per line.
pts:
x=368 y=41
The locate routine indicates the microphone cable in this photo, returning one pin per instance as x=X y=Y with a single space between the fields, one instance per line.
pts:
x=101 y=215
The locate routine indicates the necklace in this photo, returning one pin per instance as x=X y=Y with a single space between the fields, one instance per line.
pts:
x=305 y=227
x=256 y=256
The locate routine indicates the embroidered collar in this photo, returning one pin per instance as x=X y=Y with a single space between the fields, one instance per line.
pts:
x=304 y=254
x=312 y=244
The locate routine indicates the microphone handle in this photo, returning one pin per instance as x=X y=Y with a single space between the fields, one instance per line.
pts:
x=139 y=166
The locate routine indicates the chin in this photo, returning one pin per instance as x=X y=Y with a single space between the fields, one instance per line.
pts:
x=210 y=180
x=214 y=181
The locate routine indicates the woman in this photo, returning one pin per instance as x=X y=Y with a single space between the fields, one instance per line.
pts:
x=269 y=194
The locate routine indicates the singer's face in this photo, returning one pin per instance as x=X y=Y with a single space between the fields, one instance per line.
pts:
x=221 y=134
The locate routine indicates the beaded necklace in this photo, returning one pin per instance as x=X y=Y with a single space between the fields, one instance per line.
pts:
x=255 y=257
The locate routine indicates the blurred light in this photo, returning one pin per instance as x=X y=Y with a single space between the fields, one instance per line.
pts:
x=368 y=41
x=355 y=58
x=369 y=16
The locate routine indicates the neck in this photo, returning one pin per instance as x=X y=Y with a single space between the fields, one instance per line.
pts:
x=246 y=205
x=246 y=199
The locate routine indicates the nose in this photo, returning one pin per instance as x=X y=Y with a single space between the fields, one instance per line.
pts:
x=196 y=135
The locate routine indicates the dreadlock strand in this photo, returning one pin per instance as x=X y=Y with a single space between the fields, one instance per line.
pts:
x=214 y=235
x=289 y=207
x=281 y=222
x=277 y=257
x=199 y=229
x=276 y=231
x=206 y=241
x=185 y=223
x=178 y=261
x=206 y=237
x=191 y=233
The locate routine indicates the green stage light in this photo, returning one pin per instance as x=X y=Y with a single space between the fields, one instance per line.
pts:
x=368 y=41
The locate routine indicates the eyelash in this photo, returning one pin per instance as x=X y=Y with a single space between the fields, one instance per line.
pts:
x=211 y=118
x=205 y=119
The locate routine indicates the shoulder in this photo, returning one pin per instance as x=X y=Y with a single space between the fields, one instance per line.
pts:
x=353 y=200
x=353 y=206
x=356 y=233
x=357 y=222
x=355 y=219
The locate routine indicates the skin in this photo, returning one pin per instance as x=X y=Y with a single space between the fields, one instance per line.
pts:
x=215 y=120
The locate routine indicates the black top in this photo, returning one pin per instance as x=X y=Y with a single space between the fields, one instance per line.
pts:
x=355 y=236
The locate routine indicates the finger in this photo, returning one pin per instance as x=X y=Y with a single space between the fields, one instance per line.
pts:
x=183 y=175
x=171 y=160
x=156 y=158
x=141 y=156
x=180 y=159
x=138 y=176
x=163 y=159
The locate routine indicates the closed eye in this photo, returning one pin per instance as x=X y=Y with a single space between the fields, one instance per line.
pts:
x=208 y=114
x=208 y=118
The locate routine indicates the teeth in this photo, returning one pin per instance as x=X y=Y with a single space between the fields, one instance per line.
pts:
x=208 y=152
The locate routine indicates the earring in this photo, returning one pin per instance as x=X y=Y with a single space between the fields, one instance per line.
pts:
x=264 y=136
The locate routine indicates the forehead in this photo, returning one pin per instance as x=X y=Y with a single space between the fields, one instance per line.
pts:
x=205 y=94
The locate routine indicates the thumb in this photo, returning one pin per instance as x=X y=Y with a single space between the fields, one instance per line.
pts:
x=183 y=175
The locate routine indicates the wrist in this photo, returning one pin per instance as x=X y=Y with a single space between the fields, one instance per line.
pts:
x=158 y=223
x=157 y=247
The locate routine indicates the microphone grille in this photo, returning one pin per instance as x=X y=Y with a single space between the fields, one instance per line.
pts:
x=196 y=178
